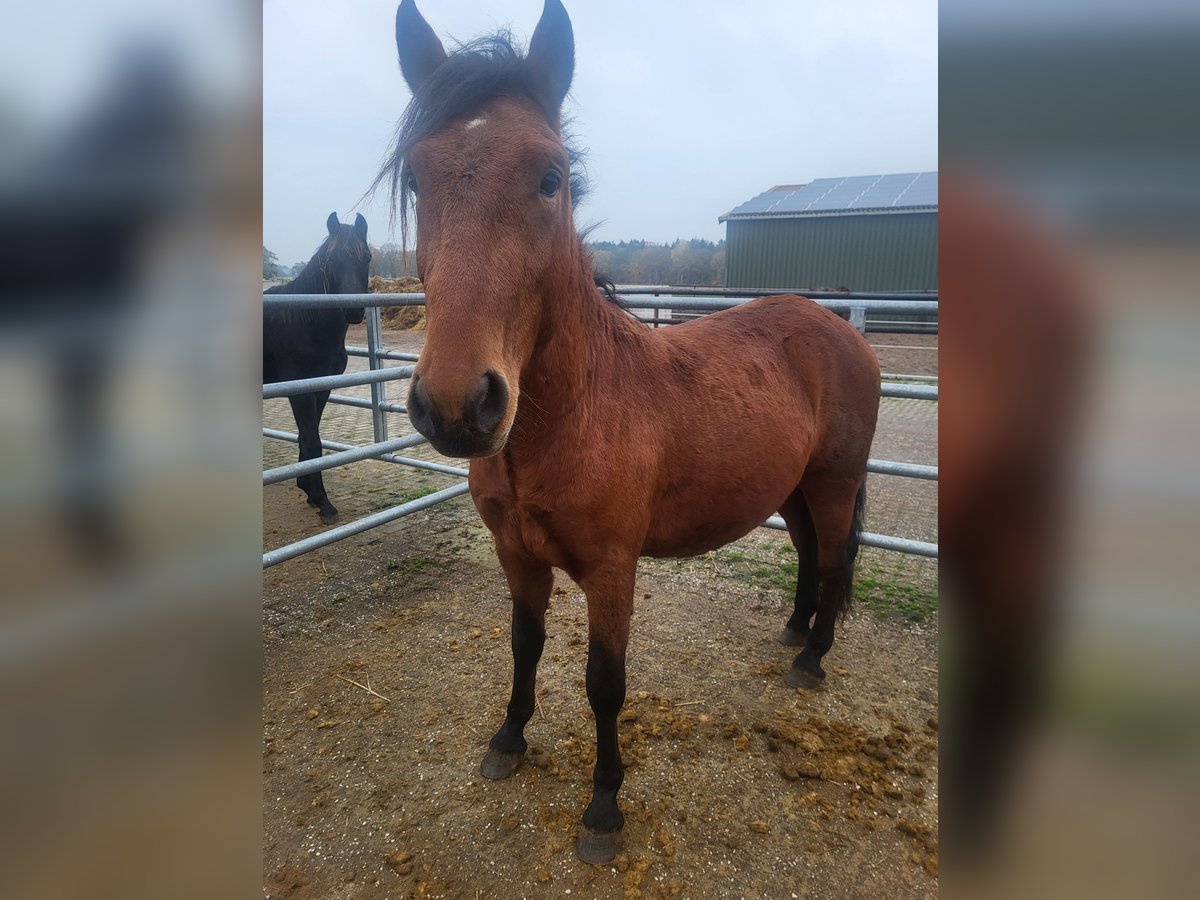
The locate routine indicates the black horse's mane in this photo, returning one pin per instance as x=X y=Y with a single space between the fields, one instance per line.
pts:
x=311 y=279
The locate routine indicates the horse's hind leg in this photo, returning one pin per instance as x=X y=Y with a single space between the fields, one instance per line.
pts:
x=307 y=408
x=804 y=537
x=530 y=583
x=836 y=507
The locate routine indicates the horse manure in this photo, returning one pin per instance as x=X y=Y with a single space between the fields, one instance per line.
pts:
x=400 y=861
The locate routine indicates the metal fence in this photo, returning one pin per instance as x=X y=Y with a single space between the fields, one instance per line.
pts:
x=689 y=300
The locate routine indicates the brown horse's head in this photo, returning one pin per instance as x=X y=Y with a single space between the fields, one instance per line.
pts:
x=480 y=151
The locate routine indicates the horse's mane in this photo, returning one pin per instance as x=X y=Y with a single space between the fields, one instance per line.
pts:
x=311 y=279
x=474 y=74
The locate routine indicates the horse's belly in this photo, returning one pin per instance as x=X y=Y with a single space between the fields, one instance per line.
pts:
x=696 y=540
x=692 y=527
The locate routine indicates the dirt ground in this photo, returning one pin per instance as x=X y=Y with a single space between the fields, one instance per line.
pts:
x=387 y=669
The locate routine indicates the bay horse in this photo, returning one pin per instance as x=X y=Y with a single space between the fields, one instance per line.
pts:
x=309 y=343
x=593 y=439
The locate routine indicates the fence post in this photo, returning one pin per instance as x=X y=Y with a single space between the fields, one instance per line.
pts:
x=858 y=318
x=378 y=396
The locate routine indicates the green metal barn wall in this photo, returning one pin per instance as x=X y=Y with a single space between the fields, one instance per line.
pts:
x=896 y=252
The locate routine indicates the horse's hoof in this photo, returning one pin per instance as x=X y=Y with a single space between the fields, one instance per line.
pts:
x=597 y=848
x=802 y=678
x=497 y=765
x=329 y=514
x=790 y=638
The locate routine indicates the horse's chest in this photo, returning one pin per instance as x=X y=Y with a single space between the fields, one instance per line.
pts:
x=527 y=528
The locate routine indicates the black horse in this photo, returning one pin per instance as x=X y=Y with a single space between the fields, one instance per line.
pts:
x=308 y=343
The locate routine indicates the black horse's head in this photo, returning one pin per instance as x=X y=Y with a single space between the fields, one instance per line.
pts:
x=344 y=261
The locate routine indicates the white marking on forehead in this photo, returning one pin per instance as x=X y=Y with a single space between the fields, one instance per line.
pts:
x=475 y=123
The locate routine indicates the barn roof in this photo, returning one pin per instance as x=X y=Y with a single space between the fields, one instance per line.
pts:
x=854 y=195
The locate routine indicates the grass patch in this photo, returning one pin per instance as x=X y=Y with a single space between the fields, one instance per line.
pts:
x=418 y=493
x=417 y=565
x=890 y=598
x=887 y=588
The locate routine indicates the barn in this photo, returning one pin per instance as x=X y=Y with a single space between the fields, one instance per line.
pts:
x=859 y=233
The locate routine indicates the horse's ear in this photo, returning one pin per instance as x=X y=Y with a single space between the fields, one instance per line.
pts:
x=360 y=225
x=552 y=56
x=420 y=50
x=332 y=223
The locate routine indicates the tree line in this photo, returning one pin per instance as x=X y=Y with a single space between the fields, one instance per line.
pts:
x=696 y=261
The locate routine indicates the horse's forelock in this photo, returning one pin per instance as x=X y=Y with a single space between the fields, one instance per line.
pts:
x=476 y=73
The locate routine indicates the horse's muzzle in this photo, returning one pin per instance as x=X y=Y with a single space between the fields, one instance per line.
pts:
x=471 y=430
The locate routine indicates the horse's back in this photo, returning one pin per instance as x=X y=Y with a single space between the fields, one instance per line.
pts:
x=788 y=344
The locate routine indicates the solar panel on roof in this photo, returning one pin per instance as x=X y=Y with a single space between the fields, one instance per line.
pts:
x=843 y=193
x=856 y=192
x=883 y=192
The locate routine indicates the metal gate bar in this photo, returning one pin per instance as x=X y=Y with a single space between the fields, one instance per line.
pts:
x=294 y=438
x=333 y=535
x=277 y=389
x=333 y=460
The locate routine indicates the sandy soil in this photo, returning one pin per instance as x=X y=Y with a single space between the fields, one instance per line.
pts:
x=387 y=668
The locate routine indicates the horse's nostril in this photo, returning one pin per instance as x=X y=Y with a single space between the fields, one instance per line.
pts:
x=488 y=403
x=416 y=399
x=420 y=411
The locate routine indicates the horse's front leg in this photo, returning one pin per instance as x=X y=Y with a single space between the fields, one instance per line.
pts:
x=530 y=583
x=610 y=605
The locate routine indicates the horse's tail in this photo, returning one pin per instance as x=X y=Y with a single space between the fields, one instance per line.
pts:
x=850 y=554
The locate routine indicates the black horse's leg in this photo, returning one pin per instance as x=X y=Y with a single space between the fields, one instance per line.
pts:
x=610 y=606
x=81 y=377
x=307 y=408
x=836 y=506
x=530 y=583
x=804 y=537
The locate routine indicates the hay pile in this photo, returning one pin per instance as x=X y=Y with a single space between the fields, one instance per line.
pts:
x=411 y=318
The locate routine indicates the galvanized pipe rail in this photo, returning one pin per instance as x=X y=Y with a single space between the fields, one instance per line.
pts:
x=277 y=389
x=294 y=438
x=870 y=539
x=352 y=350
x=345 y=457
x=837 y=304
x=363 y=403
x=909 y=391
x=700 y=290
x=707 y=301
x=332 y=535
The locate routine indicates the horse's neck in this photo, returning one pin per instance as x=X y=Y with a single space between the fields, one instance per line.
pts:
x=309 y=281
x=584 y=337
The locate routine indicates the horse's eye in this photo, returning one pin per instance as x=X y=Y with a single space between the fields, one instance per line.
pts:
x=410 y=182
x=551 y=182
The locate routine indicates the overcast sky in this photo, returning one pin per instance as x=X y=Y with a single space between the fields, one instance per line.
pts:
x=686 y=108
